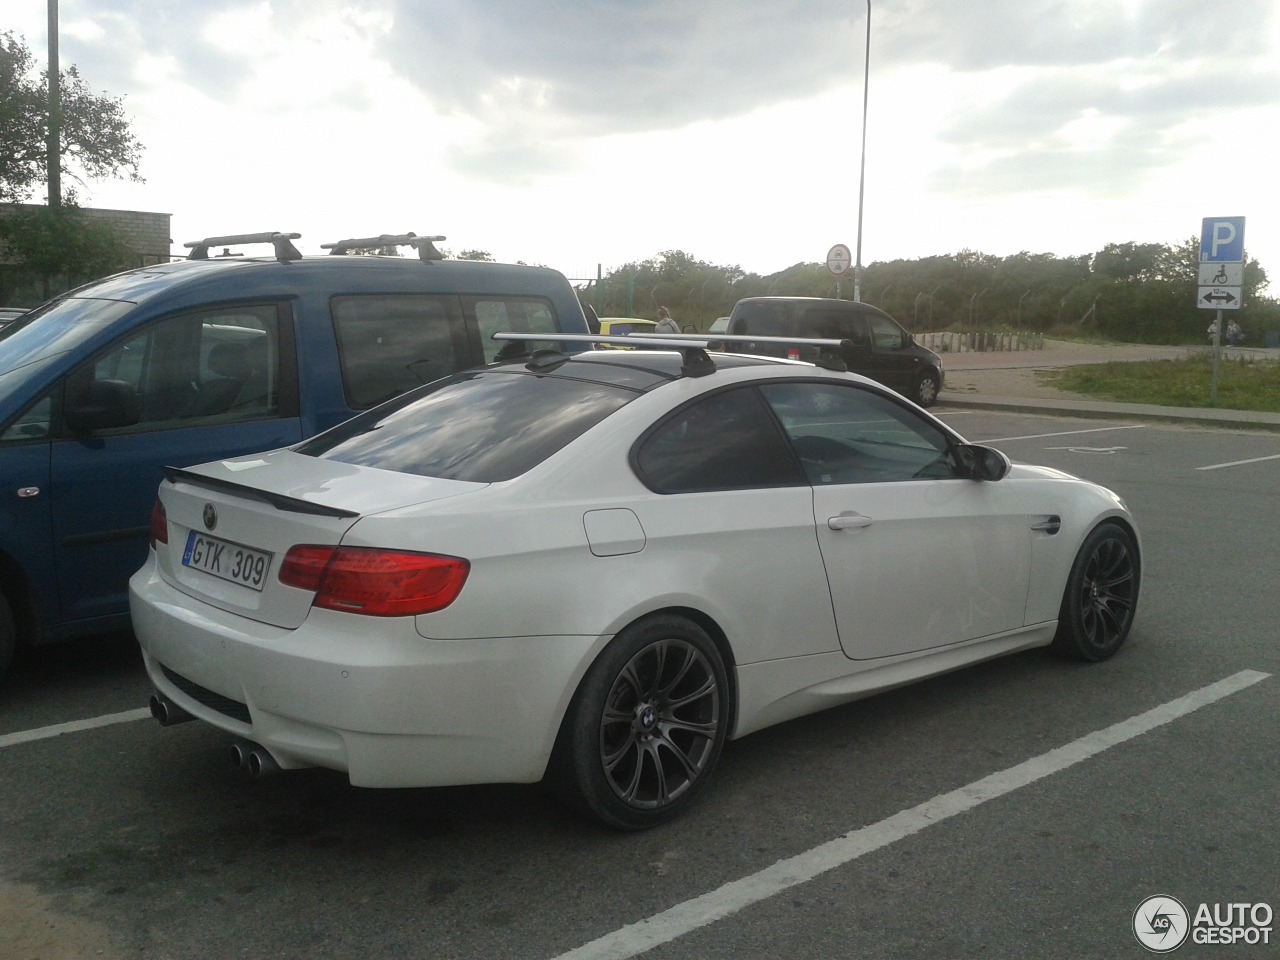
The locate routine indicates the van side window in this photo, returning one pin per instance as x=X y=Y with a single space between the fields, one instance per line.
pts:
x=511 y=315
x=886 y=334
x=219 y=365
x=388 y=344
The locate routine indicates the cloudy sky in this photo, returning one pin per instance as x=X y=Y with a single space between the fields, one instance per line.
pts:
x=581 y=132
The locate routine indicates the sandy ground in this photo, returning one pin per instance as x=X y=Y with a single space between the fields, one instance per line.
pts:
x=1020 y=373
x=33 y=928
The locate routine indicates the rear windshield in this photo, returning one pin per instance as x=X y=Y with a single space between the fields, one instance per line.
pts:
x=483 y=426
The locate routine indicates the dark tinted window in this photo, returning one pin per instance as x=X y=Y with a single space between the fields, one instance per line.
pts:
x=849 y=434
x=724 y=441
x=886 y=334
x=390 y=344
x=212 y=366
x=511 y=315
x=483 y=426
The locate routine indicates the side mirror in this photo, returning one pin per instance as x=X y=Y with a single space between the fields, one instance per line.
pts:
x=104 y=404
x=982 y=463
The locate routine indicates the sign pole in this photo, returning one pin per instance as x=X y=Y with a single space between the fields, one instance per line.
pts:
x=1217 y=355
x=1221 y=279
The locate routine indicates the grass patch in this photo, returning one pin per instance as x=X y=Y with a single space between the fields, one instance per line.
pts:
x=1242 y=384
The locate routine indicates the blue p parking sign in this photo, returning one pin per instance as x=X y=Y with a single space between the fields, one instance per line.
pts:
x=1222 y=240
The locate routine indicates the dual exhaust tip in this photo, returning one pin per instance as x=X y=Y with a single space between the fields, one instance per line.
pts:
x=247 y=757
x=253 y=760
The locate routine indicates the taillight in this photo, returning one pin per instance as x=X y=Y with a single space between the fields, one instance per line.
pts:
x=378 y=583
x=159 y=524
x=793 y=353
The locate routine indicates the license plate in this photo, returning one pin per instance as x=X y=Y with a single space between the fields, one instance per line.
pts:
x=230 y=561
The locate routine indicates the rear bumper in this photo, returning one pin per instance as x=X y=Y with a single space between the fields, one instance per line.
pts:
x=384 y=705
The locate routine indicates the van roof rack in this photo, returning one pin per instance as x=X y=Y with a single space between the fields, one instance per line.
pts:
x=285 y=250
x=722 y=341
x=425 y=245
x=693 y=350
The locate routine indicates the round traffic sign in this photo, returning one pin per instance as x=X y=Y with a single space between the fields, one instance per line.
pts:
x=839 y=259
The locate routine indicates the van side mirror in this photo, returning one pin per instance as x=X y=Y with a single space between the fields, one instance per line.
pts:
x=102 y=405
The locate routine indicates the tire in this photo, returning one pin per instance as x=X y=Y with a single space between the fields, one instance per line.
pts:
x=1101 y=596
x=646 y=727
x=927 y=389
x=8 y=637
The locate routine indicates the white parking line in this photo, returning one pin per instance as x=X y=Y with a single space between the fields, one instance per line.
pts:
x=701 y=911
x=75 y=726
x=1065 y=433
x=1239 y=463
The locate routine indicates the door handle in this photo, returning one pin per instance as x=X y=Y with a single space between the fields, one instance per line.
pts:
x=849 y=521
x=1051 y=525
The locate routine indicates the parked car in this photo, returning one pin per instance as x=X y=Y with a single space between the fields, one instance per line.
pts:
x=173 y=364
x=595 y=568
x=623 y=327
x=719 y=325
x=877 y=346
x=9 y=314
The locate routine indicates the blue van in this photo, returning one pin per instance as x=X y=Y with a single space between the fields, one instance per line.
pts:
x=206 y=358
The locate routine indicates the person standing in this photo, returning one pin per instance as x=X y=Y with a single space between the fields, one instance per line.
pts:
x=665 y=323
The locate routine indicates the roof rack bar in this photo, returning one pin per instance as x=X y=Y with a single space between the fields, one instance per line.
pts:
x=285 y=250
x=746 y=337
x=696 y=361
x=424 y=245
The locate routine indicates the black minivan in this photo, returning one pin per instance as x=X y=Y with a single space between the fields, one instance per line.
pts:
x=878 y=347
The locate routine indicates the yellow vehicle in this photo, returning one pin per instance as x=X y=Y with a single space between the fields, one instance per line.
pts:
x=621 y=327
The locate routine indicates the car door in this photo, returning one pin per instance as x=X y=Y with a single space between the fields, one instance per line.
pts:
x=890 y=361
x=202 y=385
x=916 y=557
x=733 y=499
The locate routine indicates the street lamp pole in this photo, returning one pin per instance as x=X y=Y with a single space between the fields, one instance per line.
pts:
x=862 y=171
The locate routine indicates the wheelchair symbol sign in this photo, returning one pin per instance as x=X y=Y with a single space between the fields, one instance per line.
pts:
x=1221 y=274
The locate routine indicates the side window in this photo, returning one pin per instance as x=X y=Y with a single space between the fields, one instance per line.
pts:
x=511 y=315
x=886 y=334
x=722 y=442
x=216 y=365
x=849 y=434
x=834 y=325
x=389 y=344
x=32 y=424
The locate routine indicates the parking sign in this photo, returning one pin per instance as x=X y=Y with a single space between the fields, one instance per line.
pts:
x=1222 y=240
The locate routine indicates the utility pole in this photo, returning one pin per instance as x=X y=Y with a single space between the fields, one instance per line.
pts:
x=862 y=172
x=54 y=157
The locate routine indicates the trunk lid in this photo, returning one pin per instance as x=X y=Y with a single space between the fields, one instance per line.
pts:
x=231 y=523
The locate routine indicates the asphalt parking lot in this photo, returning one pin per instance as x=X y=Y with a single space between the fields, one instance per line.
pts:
x=1023 y=807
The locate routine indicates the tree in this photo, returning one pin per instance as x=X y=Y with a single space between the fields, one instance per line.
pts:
x=61 y=242
x=95 y=139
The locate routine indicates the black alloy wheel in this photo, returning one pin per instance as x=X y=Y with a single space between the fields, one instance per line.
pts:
x=646 y=727
x=1101 y=597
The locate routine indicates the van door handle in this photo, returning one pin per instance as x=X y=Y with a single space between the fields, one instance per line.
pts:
x=849 y=521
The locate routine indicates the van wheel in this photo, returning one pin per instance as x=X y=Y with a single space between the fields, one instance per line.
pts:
x=927 y=389
x=8 y=636
x=646 y=726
